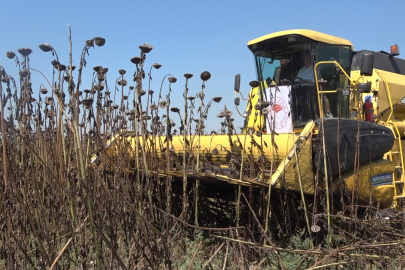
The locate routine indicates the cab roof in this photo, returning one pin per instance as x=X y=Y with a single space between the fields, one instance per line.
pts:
x=308 y=34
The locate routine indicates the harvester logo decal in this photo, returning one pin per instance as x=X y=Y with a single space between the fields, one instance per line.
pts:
x=280 y=112
x=277 y=108
x=382 y=179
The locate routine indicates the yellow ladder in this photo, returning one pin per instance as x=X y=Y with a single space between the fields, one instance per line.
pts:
x=398 y=174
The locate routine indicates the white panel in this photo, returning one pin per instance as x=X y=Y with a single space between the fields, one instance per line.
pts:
x=280 y=109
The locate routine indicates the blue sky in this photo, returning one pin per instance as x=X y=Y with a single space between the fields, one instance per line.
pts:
x=188 y=36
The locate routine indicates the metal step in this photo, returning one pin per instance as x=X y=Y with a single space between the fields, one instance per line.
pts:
x=399 y=182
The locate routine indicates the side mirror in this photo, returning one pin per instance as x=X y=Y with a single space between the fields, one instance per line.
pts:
x=367 y=64
x=237 y=101
x=237 y=82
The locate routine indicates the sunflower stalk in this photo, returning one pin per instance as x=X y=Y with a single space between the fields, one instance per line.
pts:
x=81 y=162
x=168 y=154
x=139 y=75
x=185 y=151
x=205 y=76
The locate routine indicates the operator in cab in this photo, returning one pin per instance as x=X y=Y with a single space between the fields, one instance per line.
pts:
x=306 y=96
x=306 y=73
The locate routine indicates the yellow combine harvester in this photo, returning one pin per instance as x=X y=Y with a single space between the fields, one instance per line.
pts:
x=318 y=115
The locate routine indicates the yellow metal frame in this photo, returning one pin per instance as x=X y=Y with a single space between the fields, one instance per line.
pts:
x=319 y=92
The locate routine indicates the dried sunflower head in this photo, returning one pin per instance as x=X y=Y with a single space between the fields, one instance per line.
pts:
x=188 y=75
x=254 y=84
x=175 y=109
x=215 y=151
x=205 y=76
x=228 y=113
x=99 y=41
x=150 y=92
x=163 y=104
x=44 y=90
x=122 y=82
x=48 y=100
x=136 y=60
x=217 y=99
x=97 y=68
x=88 y=101
x=315 y=228
x=45 y=47
x=172 y=79
x=25 y=51
x=153 y=107
x=157 y=65
x=122 y=71
x=60 y=67
x=221 y=114
x=10 y=54
x=23 y=73
x=146 y=48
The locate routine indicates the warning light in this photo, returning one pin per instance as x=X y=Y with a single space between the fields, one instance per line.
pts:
x=394 y=50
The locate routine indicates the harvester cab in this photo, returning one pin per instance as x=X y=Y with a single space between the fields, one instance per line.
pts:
x=285 y=66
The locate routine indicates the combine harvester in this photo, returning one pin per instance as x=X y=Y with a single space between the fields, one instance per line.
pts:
x=340 y=130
